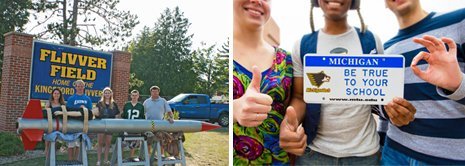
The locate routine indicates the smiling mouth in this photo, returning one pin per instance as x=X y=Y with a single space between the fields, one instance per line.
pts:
x=333 y=4
x=254 y=11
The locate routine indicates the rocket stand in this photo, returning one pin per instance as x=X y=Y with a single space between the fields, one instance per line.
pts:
x=82 y=158
x=117 y=155
x=161 y=161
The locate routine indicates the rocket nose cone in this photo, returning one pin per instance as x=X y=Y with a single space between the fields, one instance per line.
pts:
x=208 y=126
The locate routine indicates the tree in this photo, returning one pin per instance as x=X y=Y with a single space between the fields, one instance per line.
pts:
x=162 y=55
x=211 y=67
x=13 y=16
x=222 y=69
x=204 y=68
x=135 y=82
x=82 y=22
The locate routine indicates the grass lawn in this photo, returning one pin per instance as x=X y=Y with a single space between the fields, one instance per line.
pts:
x=209 y=148
x=201 y=148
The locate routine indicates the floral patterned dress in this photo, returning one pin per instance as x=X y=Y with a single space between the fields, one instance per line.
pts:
x=260 y=145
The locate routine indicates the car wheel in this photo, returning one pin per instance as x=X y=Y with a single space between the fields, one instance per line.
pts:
x=223 y=120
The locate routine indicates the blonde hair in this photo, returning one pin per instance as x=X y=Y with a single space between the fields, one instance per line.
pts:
x=102 y=99
x=79 y=82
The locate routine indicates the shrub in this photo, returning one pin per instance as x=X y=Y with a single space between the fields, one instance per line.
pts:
x=10 y=144
x=175 y=115
x=40 y=145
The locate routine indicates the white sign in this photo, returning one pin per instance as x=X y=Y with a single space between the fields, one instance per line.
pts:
x=353 y=79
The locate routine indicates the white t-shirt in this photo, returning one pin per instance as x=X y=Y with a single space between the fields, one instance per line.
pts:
x=344 y=130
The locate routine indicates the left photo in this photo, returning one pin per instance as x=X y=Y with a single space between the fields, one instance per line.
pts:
x=114 y=82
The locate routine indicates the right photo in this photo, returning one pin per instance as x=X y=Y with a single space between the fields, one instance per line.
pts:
x=348 y=82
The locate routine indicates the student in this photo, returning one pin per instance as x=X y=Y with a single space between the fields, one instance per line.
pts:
x=55 y=101
x=108 y=109
x=78 y=100
x=336 y=134
x=261 y=87
x=436 y=136
x=133 y=110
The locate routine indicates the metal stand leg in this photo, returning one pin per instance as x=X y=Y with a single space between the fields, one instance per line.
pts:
x=120 y=151
x=146 y=153
x=83 y=152
x=181 y=150
x=51 y=158
x=159 y=158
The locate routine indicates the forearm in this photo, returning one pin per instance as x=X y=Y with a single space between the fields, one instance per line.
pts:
x=74 y=113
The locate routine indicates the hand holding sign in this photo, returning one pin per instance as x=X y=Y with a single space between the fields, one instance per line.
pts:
x=400 y=111
x=292 y=137
x=252 y=108
x=443 y=70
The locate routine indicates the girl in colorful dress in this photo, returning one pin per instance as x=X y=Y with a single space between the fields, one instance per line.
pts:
x=262 y=83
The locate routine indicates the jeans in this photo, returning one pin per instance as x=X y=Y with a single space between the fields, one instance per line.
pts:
x=314 y=158
x=394 y=157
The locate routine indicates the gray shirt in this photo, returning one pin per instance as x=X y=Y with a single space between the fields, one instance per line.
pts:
x=344 y=130
x=155 y=109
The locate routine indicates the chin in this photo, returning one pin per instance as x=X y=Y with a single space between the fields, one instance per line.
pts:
x=336 y=16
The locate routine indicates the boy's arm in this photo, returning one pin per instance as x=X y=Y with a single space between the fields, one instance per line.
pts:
x=142 y=112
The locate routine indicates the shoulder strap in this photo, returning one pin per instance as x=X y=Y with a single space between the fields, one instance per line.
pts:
x=308 y=44
x=368 y=41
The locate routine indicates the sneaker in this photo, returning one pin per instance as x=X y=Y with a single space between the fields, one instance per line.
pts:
x=107 y=163
x=98 y=163
x=135 y=159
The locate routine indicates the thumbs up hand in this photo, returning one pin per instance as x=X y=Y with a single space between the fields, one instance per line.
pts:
x=292 y=137
x=252 y=108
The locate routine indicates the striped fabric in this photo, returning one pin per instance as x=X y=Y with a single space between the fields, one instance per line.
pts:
x=437 y=135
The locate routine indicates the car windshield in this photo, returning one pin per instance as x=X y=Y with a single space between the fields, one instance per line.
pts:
x=178 y=98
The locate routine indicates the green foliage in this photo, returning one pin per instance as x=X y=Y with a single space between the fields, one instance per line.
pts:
x=10 y=144
x=161 y=55
x=40 y=145
x=211 y=68
x=79 y=22
x=134 y=82
x=204 y=67
x=175 y=115
x=221 y=61
x=13 y=15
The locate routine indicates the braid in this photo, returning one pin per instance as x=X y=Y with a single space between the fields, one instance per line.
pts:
x=363 y=26
x=312 y=25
